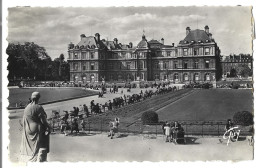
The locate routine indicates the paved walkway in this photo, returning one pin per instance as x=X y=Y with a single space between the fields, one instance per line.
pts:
x=98 y=147
x=68 y=105
x=127 y=147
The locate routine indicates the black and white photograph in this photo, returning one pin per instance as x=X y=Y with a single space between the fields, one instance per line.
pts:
x=146 y=83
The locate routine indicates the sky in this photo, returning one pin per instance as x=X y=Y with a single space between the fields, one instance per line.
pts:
x=55 y=28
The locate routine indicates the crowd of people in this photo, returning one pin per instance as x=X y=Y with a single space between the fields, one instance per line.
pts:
x=173 y=132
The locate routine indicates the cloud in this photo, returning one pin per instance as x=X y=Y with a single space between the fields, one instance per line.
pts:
x=54 y=28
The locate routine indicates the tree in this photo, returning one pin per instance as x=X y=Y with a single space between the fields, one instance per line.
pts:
x=233 y=73
x=244 y=70
x=244 y=118
x=25 y=59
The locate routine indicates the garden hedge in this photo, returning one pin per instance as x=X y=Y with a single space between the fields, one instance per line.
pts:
x=244 y=118
x=149 y=117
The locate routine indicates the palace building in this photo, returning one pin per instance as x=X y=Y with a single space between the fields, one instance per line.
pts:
x=195 y=59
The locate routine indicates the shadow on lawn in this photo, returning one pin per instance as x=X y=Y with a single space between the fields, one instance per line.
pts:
x=122 y=135
x=191 y=141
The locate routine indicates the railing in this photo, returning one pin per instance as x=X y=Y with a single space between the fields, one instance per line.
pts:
x=197 y=128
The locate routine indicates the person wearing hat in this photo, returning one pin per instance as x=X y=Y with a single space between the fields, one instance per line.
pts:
x=35 y=133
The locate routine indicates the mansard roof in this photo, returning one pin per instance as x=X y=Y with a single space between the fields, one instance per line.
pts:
x=196 y=36
x=90 y=42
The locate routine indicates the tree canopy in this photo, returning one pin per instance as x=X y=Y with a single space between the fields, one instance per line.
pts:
x=29 y=60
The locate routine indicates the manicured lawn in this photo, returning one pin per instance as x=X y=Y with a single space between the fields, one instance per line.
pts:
x=47 y=94
x=205 y=105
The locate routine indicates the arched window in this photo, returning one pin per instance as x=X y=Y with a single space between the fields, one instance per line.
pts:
x=207 y=77
x=119 y=77
x=186 y=77
x=156 y=76
x=176 y=77
x=196 y=76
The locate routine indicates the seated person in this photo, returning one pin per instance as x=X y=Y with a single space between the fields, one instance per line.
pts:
x=64 y=125
x=229 y=125
x=74 y=126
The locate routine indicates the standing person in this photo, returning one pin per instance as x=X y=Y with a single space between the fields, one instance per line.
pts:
x=167 y=132
x=113 y=128
x=163 y=125
x=85 y=108
x=35 y=133
x=110 y=105
x=92 y=105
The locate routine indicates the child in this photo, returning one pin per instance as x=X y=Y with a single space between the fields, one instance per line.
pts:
x=167 y=132
x=113 y=127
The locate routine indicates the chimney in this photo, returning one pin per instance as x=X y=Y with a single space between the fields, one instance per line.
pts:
x=162 y=40
x=187 y=30
x=173 y=44
x=130 y=45
x=210 y=36
x=97 y=36
x=207 y=29
x=82 y=36
x=115 y=40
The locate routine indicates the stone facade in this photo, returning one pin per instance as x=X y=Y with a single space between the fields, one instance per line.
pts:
x=234 y=61
x=196 y=58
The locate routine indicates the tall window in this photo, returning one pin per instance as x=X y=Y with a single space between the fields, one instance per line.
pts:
x=185 y=51
x=165 y=65
x=76 y=66
x=156 y=65
x=140 y=66
x=84 y=66
x=92 y=55
x=175 y=65
x=176 y=77
x=196 y=76
x=119 y=77
x=186 y=77
x=207 y=51
x=207 y=77
x=168 y=53
x=119 y=65
x=206 y=64
x=185 y=65
x=92 y=66
x=195 y=51
x=83 y=55
x=156 y=76
x=128 y=65
x=196 y=65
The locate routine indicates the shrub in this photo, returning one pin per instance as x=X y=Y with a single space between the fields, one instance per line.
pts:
x=244 y=118
x=149 y=117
